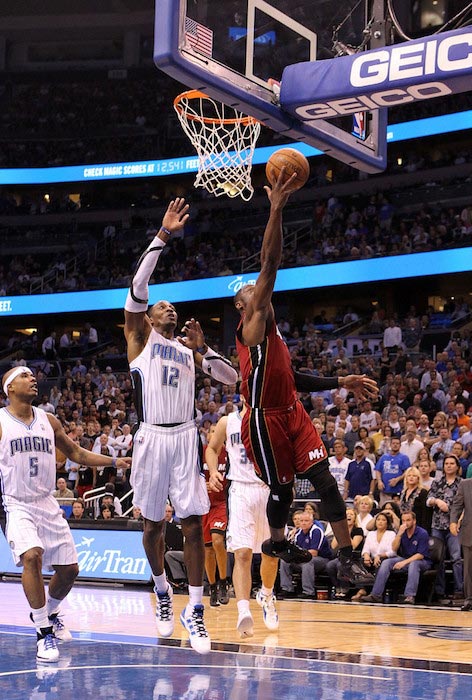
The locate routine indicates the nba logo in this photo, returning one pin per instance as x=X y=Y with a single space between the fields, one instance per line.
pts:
x=359 y=122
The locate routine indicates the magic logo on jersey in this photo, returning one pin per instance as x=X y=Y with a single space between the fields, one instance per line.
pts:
x=33 y=443
x=169 y=352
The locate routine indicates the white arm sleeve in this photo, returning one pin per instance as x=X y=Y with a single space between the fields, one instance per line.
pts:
x=219 y=367
x=138 y=294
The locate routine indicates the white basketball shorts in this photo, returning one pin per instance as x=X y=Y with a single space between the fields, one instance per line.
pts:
x=247 y=518
x=40 y=524
x=166 y=464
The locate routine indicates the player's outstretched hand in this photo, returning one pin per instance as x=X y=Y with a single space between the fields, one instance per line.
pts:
x=193 y=337
x=215 y=482
x=176 y=215
x=123 y=462
x=283 y=188
x=362 y=387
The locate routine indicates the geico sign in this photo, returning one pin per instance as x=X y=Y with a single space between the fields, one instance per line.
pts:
x=409 y=61
x=376 y=100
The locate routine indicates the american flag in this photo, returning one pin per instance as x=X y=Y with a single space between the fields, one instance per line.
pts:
x=199 y=37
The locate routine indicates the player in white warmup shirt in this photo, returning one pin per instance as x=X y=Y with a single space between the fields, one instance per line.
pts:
x=248 y=526
x=166 y=453
x=36 y=530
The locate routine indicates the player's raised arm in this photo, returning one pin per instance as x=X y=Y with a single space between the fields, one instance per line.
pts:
x=259 y=311
x=137 y=324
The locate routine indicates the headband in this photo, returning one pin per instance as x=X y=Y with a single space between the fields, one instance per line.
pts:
x=16 y=373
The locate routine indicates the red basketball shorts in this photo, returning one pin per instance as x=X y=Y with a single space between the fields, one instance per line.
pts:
x=215 y=520
x=281 y=443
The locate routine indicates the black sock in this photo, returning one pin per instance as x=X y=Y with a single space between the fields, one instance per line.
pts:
x=345 y=553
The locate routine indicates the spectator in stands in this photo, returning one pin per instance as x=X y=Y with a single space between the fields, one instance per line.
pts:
x=424 y=468
x=85 y=480
x=136 y=514
x=78 y=510
x=441 y=448
x=411 y=445
x=411 y=546
x=360 y=478
x=369 y=419
x=107 y=512
x=338 y=464
x=64 y=495
x=46 y=405
x=48 y=347
x=311 y=536
x=389 y=471
x=109 y=499
x=392 y=337
x=377 y=546
x=211 y=414
x=440 y=498
x=364 y=512
x=65 y=344
x=413 y=497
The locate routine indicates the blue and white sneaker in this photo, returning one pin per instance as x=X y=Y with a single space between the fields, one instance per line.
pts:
x=192 y=619
x=46 y=648
x=61 y=632
x=164 y=612
x=267 y=603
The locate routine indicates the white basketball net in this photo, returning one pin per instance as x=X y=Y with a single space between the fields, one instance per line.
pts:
x=224 y=140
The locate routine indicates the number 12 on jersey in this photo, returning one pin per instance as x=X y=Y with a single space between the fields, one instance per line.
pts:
x=170 y=376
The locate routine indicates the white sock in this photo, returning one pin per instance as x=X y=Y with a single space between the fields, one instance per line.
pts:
x=40 y=618
x=266 y=591
x=195 y=595
x=243 y=606
x=161 y=583
x=53 y=605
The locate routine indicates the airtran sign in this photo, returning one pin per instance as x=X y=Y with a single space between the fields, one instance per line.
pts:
x=115 y=555
x=430 y=67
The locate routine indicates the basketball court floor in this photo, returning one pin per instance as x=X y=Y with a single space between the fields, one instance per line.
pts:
x=322 y=650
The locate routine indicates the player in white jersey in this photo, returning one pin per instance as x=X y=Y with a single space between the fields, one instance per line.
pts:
x=166 y=453
x=247 y=521
x=36 y=530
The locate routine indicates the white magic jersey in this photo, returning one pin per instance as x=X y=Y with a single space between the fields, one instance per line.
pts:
x=27 y=457
x=163 y=378
x=240 y=467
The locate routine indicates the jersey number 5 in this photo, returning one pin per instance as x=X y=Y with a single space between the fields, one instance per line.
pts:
x=33 y=466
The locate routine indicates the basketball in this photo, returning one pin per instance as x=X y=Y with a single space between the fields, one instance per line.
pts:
x=294 y=162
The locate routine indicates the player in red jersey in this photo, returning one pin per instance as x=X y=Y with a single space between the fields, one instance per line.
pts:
x=276 y=431
x=214 y=524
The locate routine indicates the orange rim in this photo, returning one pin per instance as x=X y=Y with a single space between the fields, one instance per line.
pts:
x=195 y=95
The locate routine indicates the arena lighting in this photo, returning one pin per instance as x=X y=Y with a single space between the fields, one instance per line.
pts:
x=403 y=131
x=441 y=262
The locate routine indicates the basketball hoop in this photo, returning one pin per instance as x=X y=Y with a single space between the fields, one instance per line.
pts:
x=224 y=140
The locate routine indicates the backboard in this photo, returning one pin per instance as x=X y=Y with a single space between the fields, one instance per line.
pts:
x=229 y=49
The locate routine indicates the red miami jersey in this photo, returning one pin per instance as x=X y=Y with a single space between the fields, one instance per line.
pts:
x=266 y=369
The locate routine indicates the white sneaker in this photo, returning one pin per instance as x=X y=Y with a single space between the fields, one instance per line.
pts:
x=245 y=624
x=267 y=603
x=192 y=619
x=164 y=612
x=61 y=632
x=46 y=649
